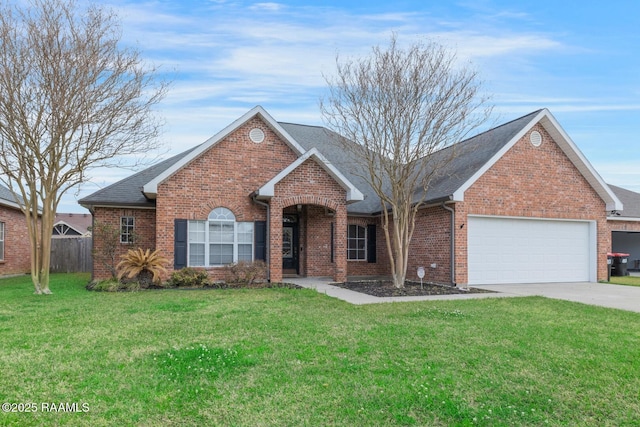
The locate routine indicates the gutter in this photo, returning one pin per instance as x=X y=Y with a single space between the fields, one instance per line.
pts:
x=452 y=262
x=267 y=248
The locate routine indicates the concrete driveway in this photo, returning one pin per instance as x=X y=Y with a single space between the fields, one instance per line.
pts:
x=604 y=295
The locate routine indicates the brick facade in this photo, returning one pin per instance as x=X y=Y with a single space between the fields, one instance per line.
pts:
x=532 y=182
x=431 y=246
x=17 y=253
x=527 y=182
x=226 y=176
x=145 y=236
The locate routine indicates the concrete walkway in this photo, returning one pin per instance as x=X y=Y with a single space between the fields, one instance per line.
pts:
x=599 y=294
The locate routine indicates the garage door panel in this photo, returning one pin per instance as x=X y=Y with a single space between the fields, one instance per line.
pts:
x=513 y=250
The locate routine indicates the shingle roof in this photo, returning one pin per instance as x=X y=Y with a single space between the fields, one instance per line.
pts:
x=630 y=201
x=471 y=155
x=7 y=197
x=330 y=145
x=128 y=191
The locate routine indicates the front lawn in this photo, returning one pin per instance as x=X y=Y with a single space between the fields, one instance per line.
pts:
x=625 y=280
x=294 y=357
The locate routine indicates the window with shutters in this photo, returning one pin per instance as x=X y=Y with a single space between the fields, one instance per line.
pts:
x=219 y=240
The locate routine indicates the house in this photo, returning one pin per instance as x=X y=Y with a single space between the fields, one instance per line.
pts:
x=519 y=203
x=71 y=225
x=15 y=255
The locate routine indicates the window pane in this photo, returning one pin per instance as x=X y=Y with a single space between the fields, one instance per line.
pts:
x=222 y=214
x=356 y=242
x=220 y=254
x=245 y=253
x=196 y=254
x=245 y=232
x=221 y=232
x=197 y=231
x=126 y=229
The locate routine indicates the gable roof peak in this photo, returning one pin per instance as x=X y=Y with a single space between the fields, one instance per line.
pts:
x=150 y=189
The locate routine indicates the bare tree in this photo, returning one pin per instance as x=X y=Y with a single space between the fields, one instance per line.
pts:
x=402 y=107
x=70 y=100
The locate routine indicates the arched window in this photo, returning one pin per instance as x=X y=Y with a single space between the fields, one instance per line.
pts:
x=220 y=240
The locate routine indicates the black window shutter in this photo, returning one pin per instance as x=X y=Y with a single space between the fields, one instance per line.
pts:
x=260 y=236
x=332 y=242
x=371 y=243
x=180 y=244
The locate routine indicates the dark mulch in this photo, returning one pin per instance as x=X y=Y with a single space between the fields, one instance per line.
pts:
x=381 y=288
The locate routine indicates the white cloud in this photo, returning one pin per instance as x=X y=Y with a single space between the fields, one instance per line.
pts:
x=230 y=56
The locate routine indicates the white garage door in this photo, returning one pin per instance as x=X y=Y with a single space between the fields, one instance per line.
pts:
x=514 y=250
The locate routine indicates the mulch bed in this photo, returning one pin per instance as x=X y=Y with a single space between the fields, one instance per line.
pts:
x=381 y=288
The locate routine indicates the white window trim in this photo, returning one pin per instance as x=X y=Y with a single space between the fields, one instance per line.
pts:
x=130 y=234
x=365 y=238
x=207 y=242
x=2 y=239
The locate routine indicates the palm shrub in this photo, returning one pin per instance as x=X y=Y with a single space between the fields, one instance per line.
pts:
x=145 y=267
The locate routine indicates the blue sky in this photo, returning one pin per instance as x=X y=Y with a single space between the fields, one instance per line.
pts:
x=578 y=59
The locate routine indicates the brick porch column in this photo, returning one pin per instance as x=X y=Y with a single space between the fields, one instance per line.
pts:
x=275 y=243
x=340 y=245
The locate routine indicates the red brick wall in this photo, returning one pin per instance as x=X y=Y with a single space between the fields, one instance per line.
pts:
x=224 y=176
x=536 y=182
x=364 y=268
x=431 y=244
x=144 y=229
x=316 y=243
x=17 y=254
x=623 y=225
x=310 y=185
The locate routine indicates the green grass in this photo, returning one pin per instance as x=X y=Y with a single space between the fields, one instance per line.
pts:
x=283 y=357
x=625 y=280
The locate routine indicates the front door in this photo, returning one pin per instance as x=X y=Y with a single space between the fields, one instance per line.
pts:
x=290 y=253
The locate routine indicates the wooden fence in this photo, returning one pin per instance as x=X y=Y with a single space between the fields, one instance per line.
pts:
x=71 y=255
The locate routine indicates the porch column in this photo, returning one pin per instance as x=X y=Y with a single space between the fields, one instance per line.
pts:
x=340 y=245
x=275 y=243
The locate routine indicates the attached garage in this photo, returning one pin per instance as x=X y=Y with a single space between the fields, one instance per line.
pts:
x=627 y=242
x=522 y=250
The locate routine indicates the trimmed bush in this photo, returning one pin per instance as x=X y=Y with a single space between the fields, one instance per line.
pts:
x=189 y=277
x=246 y=274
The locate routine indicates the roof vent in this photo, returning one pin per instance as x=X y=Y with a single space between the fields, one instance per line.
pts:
x=535 y=138
x=256 y=135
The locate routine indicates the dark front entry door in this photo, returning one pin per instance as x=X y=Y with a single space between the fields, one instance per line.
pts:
x=290 y=251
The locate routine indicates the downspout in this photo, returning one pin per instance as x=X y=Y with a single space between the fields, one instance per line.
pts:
x=268 y=242
x=453 y=243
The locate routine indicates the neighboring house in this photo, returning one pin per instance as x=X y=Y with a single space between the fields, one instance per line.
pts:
x=15 y=254
x=71 y=225
x=519 y=203
x=625 y=226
